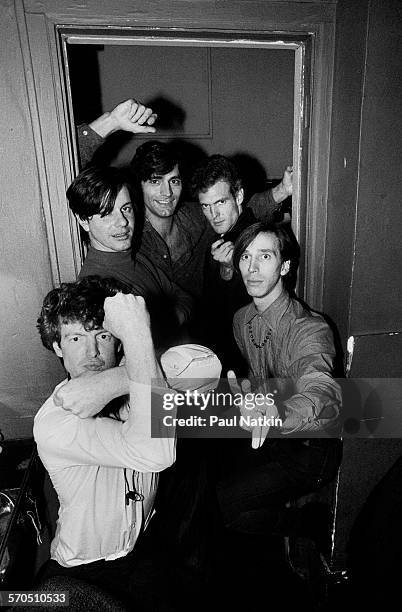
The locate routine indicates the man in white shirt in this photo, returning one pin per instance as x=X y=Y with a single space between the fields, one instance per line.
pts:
x=104 y=468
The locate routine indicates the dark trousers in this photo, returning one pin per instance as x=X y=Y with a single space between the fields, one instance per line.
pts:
x=135 y=581
x=254 y=484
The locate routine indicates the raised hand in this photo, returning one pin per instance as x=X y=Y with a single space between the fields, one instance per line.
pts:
x=129 y=116
x=285 y=188
x=125 y=315
x=132 y=116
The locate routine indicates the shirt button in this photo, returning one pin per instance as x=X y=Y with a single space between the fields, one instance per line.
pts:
x=85 y=133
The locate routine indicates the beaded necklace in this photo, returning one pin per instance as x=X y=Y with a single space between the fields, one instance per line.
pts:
x=253 y=340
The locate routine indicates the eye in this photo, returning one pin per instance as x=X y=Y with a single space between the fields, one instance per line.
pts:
x=127 y=209
x=154 y=181
x=176 y=181
x=74 y=338
x=265 y=256
x=205 y=206
x=105 y=336
x=244 y=257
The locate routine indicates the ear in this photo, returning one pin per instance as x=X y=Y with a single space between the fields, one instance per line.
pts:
x=285 y=267
x=239 y=199
x=84 y=223
x=57 y=349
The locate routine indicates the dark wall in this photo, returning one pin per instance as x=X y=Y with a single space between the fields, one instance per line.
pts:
x=351 y=30
x=363 y=280
x=377 y=278
x=363 y=288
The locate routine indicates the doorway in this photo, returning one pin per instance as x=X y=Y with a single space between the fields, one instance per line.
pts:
x=244 y=98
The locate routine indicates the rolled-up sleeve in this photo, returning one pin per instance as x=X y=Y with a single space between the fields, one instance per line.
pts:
x=108 y=442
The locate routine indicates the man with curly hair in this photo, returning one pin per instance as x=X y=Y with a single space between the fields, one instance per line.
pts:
x=103 y=468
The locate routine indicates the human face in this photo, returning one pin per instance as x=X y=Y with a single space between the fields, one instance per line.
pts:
x=85 y=351
x=113 y=232
x=220 y=207
x=161 y=194
x=262 y=269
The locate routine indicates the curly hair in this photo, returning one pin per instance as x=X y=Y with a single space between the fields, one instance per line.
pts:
x=213 y=169
x=80 y=302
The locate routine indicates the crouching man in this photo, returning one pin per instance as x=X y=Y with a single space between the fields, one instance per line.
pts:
x=103 y=468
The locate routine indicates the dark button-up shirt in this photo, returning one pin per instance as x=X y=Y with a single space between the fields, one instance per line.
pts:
x=299 y=354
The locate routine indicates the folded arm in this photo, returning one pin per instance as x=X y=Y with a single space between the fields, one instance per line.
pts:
x=65 y=438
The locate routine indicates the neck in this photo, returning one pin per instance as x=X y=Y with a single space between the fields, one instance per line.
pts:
x=262 y=303
x=96 y=248
x=163 y=225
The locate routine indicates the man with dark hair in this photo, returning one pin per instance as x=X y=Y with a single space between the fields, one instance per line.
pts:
x=218 y=187
x=104 y=467
x=176 y=237
x=290 y=354
x=103 y=203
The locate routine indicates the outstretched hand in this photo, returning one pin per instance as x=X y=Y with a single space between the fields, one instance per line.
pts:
x=252 y=410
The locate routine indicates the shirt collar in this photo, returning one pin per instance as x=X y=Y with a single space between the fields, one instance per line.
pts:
x=272 y=314
x=116 y=256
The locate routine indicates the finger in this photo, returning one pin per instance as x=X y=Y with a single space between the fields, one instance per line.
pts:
x=146 y=129
x=138 y=113
x=256 y=437
x=152 y=119
x=131 y=105
x=246 y=385
x=217 y=244
x=232 y=380
x=145 y=116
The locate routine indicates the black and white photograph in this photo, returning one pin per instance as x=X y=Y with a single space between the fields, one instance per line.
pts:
x=201 y=354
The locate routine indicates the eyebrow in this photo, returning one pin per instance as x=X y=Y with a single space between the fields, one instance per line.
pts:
x=216 y=201
x=273 y=251
x=158 y=176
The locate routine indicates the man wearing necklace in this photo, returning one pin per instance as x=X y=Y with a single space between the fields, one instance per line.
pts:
x=284 y=341
x=217 y=185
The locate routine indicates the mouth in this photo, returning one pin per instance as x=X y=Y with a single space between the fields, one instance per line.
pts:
x=253 y=282
x=94 y=366
x=164 y=202
x=122 y=236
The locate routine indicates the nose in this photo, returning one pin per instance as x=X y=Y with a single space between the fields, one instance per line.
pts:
x=214 y=210
x=253 y=265
x=166 y=188
x=120 y=220
x=92 y=347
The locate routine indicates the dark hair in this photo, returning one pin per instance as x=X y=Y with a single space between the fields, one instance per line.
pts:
x=213 y=169
x=153 y=158
x=94 y=191
x=80 y=302
x=288 y=247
